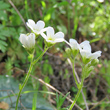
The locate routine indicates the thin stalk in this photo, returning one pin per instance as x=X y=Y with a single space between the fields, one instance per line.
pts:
x=35 y=61
x=34 y=105
x=76 y=97
x=27 y=76
x=73 y=61
x=78 y=93
x=26 y=8
x=25 y=81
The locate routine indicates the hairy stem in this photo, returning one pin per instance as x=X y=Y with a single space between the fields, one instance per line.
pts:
x=76 y=97
x=27 y=76
x=35 y=61
x=24 y=83
x=79 y=85
x=74 y=73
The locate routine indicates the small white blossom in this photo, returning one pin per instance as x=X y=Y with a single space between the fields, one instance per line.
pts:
x=28 y=41
x=73 y=44
x=85 y=45
x=38 y=27
x=101 y=1
x=95 y=55
x=51 y=37
x=75 y=47
x=86 y=51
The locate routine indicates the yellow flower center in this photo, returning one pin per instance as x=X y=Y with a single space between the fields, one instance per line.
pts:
x=50 y=38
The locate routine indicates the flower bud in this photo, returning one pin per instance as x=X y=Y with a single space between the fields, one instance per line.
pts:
x=28 y=41
x=74 y=46
x=88 y=71
x=94 y=62
x=68 y=52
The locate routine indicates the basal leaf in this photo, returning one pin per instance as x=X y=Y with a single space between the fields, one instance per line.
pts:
x=9 y=86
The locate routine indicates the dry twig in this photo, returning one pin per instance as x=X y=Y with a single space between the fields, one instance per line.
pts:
x=95 y=104
x=51 y=87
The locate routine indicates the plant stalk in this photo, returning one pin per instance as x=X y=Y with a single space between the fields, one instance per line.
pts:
x=76 y=97
x=24 y=83
x=74 y=74
x=27 y=76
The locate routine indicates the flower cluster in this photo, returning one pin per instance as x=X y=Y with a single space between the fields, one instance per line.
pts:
x=28 y=41
x=38 y=29
x=85 y=50
x=89 y=59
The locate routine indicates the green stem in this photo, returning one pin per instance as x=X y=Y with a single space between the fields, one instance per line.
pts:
x=27 y=76
x=36 y=87
x=73 y=62
x=76 y=97
x=78 y=93
x=25 y=81
x=35 y=61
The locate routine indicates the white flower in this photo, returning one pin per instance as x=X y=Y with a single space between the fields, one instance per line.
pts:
x=86 y=51
x=38 y=27
x=28 y=41
x=74 y=44
x=75 y=47
x=95 y=55
x=101 y=1
x=85 y=45
x=51 y=37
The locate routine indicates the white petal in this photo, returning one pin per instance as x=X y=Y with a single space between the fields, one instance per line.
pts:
x=43 y=30
x=72 y=40
x=40 y=25
x=86 y=45
x=27 y=41
x=87 y=48
x=59 y=35
x=44 y=36
x=74 y=44
x=100 y=1
x=95 y=55
x=31 y=40
x=50 y=32
x=85 y=53
x=24 y=40
x=30 y=24
x=59 y=40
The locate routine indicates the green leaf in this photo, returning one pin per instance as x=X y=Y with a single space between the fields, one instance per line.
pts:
x=60 y=100
x=4 y=33
x=4 y=5
x=3 y=45
x=3 y=15
x=9 y=86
